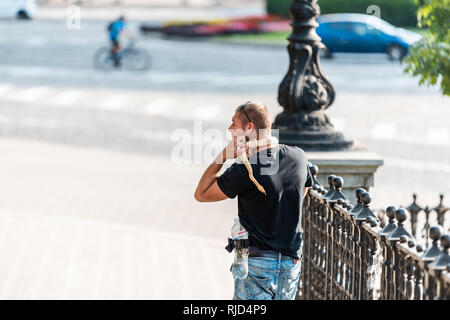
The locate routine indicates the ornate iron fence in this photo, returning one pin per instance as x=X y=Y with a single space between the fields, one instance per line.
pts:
x=421 y=218
x=416 y=211
x=347 y=255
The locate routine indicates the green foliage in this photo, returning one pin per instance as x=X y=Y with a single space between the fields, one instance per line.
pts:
x=278 y=7
x=397 y=12
x=276 y=38
x=430 y=58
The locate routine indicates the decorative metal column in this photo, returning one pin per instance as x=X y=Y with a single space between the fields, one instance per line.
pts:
x=305 y=91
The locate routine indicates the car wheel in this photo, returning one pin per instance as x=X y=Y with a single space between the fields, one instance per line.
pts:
x=23 y=15
x=396 y=52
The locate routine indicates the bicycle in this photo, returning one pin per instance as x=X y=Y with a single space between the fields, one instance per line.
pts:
x=131 y=58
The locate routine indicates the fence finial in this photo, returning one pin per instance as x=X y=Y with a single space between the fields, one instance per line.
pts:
x=434 y=251
x=331 y=190
x=443 y=261
x=365 y=211
x=414 y=210
x=314 y=170
x=338 y=182
x=391 y=226
x=400 y=215
x=441 y=210
x=358 y=207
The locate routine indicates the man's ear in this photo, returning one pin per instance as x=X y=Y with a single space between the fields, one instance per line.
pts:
x=250 y=132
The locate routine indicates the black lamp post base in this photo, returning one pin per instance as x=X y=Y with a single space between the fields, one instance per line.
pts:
x=316 y=140
x=311 y=131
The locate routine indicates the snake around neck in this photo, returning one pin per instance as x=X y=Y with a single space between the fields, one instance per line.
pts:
x=252 y=144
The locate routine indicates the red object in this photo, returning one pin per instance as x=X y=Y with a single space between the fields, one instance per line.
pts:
x=252 y=24
x=275 y=26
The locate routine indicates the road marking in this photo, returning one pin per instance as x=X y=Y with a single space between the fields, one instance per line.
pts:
x=158 y=106
x=30 y=94
x=206 y=112
x=67 y=97
x=114 y=103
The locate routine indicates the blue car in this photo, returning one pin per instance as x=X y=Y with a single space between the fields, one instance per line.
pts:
x=363 y=33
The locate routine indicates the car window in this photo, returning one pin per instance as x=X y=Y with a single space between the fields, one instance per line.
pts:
x=340 y=26
x=360 y=29
x=384 y=26
x=374 y=31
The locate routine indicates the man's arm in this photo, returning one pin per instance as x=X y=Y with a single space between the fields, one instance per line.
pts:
x=207 y=189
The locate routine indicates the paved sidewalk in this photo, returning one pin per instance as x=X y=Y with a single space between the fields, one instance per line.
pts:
x=89 y=224
x=48 y=257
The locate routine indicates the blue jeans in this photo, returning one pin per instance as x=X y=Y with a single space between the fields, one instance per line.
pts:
x=269 y=279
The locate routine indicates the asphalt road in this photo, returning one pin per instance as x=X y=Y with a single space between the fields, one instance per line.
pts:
x=48 y=52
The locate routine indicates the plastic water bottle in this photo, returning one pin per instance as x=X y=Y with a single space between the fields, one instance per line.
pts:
x=240 y=264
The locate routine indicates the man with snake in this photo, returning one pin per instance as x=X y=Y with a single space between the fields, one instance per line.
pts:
x=270 y=180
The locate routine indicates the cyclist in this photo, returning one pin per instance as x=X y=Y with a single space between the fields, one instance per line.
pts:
x=115 y=28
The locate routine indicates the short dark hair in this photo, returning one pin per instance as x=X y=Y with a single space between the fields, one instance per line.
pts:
x=257 y=112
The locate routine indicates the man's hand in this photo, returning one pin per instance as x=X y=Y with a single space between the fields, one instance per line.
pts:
x=207 y=189
x=235 y=148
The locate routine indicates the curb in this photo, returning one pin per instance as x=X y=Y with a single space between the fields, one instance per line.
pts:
x=215 y=40
x=253 y=44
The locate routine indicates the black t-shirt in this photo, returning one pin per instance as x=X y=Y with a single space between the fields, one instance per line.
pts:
x=273 y=221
